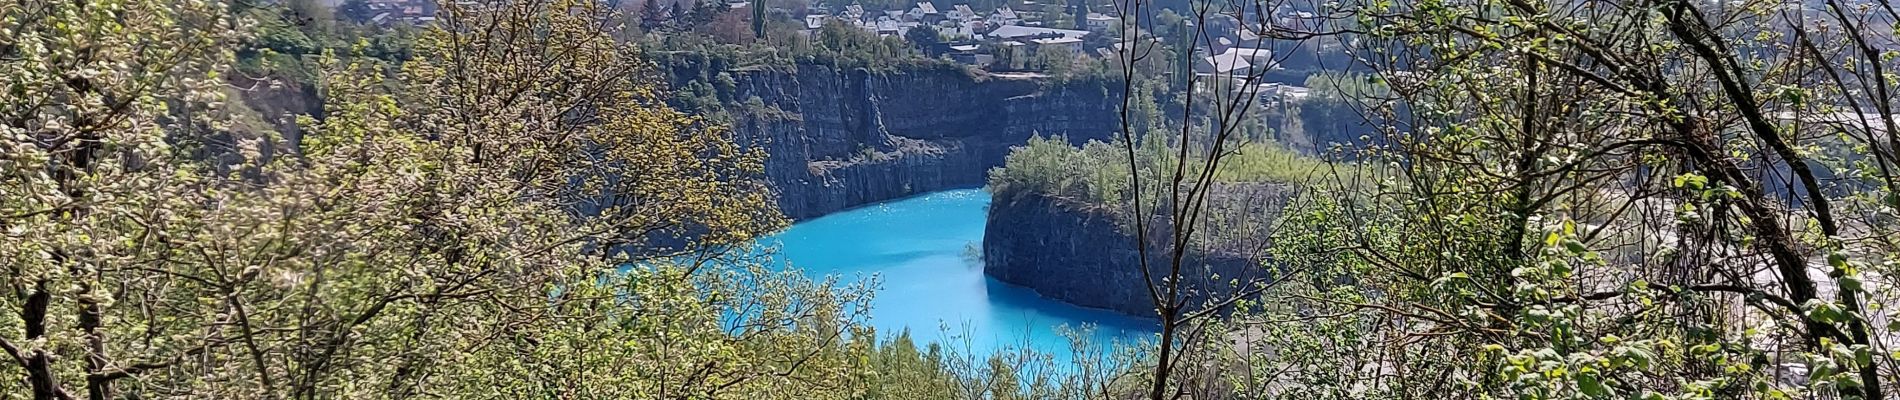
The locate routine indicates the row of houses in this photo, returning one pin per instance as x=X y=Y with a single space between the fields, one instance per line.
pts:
x=1004 y=38
x=982 y=38
x=1236 y=61
x=1231 y=59
x=393 y=11
x=958 y=21
x=1018 y=47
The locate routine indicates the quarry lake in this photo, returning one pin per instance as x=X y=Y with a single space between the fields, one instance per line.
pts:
x=924 y=251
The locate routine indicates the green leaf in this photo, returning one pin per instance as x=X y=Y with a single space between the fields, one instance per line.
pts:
x=1592 y=386
x=1823 y=312
x=1537 y=315
x=1851 y=284
x=1691 y=181
x=1575 y=246
x=1561 y=269
x=1638 y=357
x=1837 y=260
x=1820 y=372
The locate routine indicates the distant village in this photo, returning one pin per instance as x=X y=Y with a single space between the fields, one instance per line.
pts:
x=999 y=39
x=1026 y=37
x=391 y=11
x=1007 y=39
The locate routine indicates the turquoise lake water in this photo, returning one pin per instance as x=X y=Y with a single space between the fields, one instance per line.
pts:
x=925 y=252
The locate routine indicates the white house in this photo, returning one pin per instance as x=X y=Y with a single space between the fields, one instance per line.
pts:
x=1223 y=64
x=1101 y=23
x=1008 y=32
x=1004 y=16
x=1255 y=56
x=1062 y=45
x=963 y=13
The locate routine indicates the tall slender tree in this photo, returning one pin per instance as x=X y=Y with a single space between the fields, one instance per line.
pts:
x=758 y=19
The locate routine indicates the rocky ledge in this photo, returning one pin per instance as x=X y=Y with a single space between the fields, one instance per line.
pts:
x=838 y=139
x=1082 y=254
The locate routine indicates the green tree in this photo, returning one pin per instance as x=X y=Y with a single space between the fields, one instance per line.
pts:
x=924 y=37
x=411 y=234
x=1579 y=216
x=1332 y=113
x=759 y=19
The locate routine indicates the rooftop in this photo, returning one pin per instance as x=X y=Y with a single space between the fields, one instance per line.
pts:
x=1227 y=62
x=1017 y=31
x=1250 y=53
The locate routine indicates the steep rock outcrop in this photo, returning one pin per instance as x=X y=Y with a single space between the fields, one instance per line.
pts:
x=1080 y=253
x=278 y=101
x=838 y=139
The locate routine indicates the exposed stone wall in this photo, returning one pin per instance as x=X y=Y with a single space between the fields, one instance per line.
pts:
x=1080 y=254
x=839 y=139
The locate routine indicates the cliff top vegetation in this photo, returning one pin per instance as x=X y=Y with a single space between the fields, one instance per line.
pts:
x=1096 y=173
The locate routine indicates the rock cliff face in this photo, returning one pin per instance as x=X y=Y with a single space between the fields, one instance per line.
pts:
x=838 y=139
x=279 y=101
x=1080 y=254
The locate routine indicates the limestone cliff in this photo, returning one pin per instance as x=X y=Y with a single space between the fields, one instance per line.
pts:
x=839 y=139
x=1081 y=254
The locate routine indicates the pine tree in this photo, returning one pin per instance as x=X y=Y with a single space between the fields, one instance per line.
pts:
x=1080 y=9
x=651 y=16
x=758 y=19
